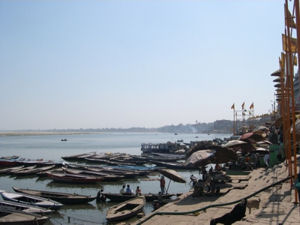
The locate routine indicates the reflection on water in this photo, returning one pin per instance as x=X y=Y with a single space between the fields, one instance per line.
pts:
x=50 y=147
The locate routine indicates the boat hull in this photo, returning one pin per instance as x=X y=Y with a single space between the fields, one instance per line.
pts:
x=64 y=198
x=126 y=210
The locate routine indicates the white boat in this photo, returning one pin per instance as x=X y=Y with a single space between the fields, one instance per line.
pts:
x=30 y=199
x=24 y=207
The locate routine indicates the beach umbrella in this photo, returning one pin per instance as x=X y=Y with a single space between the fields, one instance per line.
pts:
x=276 y=73
x=233 y=143
x=203 y=157
x=172 y=175
x=252 y=136
x=200 y=156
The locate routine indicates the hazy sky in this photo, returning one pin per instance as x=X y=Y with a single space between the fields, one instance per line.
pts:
x=119 y=63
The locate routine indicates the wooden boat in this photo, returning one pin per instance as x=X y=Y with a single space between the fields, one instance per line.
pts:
x=115 y=197
x=173 y=165
x=30 y=199
x=24 y=207
x=8 y=162
x=105 y=176
x=27 y=171
x=126 y=209
x=61 y=197
x=7 y=170
x=73 y=178
x=79 y=157
x=11 y=217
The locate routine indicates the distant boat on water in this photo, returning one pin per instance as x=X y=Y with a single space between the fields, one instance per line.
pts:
x=64 y=139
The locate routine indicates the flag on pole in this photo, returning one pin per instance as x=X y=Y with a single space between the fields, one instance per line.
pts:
x=295 y=61
x=243 y=105
x=251 y=106
x=285 y=44
x=289 y=19
x=232 y=107
x=282 y=61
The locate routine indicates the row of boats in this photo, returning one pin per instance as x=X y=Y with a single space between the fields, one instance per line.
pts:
x=72 y=173
x=27 y=206
x=172 y=161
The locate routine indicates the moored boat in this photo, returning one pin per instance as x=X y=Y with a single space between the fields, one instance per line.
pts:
x=74 y=178
x=24 y=207
x=12 y=217
x=7 y=170
x=115 y=197
x=26 y=171
x=30 y=199
x=105 y=176
x=61 y=197
x=126 y=209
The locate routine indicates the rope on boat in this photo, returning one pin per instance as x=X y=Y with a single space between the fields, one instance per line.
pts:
x=216 y=205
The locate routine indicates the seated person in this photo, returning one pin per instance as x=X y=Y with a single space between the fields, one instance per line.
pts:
x=128 y=190
x=123 y=190
x=138 y=191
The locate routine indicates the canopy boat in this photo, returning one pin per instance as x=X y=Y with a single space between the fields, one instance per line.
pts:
x=61 y=197
x=11 y=217
x=74 y=178
x=30 y=199
x=115 y=197
x=126 y=209
x=24 y=207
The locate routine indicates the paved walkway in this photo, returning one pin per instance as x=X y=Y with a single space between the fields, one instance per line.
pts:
x=276 y=204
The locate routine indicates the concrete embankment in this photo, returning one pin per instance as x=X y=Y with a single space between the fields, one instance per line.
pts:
x=276 y=203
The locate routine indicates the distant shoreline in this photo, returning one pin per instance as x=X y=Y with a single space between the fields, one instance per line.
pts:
x=39 y=133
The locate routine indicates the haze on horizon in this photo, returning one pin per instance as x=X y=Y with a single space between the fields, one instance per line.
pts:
x=120 y=64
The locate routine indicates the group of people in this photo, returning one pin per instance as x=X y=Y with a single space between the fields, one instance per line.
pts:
x=128 y=191
x=207 y=183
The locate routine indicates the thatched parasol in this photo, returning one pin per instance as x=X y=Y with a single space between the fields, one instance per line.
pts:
x=200 y=156
x=172 y=175
x=252 y=136
x=203 y=157
x=233 y=143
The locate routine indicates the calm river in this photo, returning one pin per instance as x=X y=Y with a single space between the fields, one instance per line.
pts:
x=50 y=147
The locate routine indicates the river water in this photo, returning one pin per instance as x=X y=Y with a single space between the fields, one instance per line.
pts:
x=50 y=147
